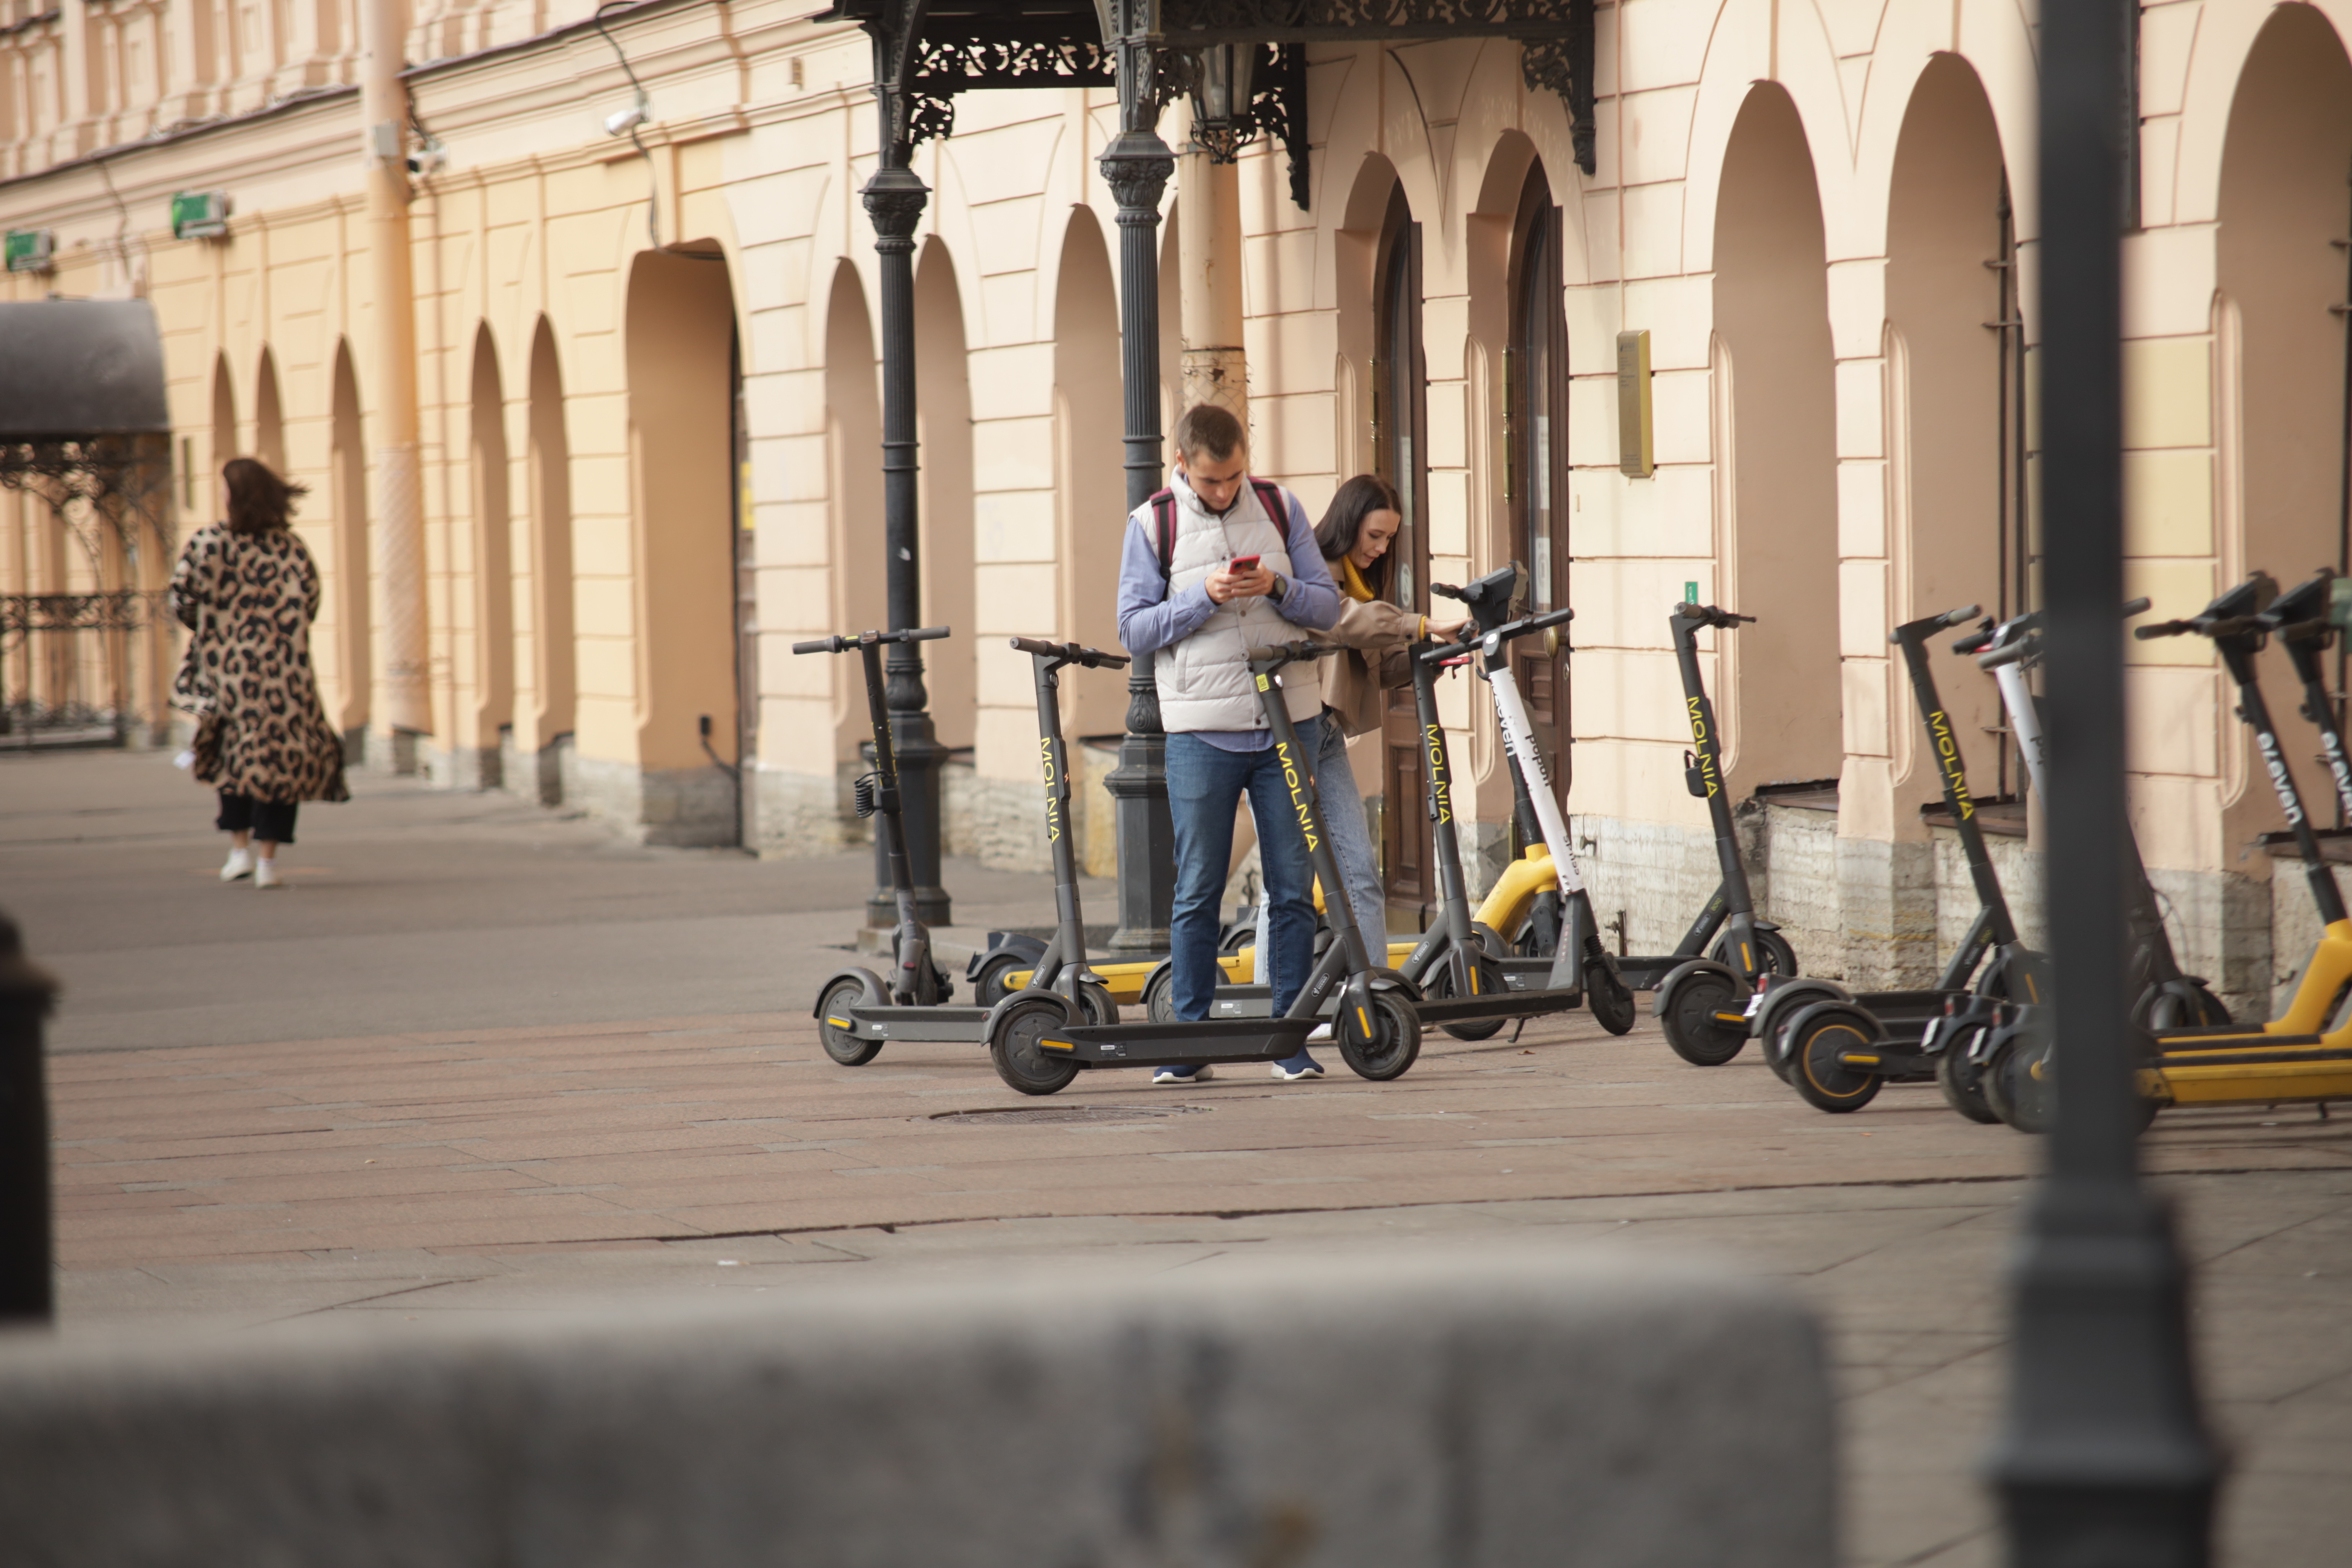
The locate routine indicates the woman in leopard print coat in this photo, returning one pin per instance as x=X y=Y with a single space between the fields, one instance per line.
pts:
x=248 y=591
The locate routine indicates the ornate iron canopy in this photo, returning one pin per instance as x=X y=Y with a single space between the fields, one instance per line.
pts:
x=926 y=51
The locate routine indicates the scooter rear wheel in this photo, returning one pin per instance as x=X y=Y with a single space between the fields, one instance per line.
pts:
x=1607 y=998
x=1816 y=1070
x=842 y=1044
x=1395 y=1045
x=1692 y=1024
x=1018 y=1059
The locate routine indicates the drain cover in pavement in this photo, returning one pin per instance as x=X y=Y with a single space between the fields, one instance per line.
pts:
x=1031 y=1113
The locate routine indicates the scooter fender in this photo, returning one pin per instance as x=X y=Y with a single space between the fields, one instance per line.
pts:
x=1030 y=949
x=1070 y=1014
x=1681 y=975
x=1778 y=1000
x=1390 y=980
x=877 y=993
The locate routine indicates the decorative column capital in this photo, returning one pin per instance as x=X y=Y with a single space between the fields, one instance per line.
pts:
x=895 y=199
x=1137 y=165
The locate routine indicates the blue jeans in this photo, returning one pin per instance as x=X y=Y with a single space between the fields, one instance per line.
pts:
x=1205 y=783
x=1351 y=841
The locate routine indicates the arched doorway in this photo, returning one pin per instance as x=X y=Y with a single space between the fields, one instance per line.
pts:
x=854 y=431
x=2282 y=275
x=1089 y=483
x=493 y=560
x=1776 y=696
x=269 y=416
x=1534 y=420
x=943 y=437
x=546 y=687
x=1399 y=381
x=350 y=589
x=1949 y=387
x=682 y=406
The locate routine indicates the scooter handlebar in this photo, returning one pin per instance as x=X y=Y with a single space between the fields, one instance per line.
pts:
x=1280 y=653
x=2138 y=607
x=2203 y=626
x=1708 y=616
x=2007 y=653
x=1092 y=657
x=838 y=644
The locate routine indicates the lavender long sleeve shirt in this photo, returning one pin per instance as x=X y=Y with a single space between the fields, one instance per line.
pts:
x=1151 y=618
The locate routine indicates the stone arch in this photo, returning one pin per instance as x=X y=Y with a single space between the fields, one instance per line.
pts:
x=1778 y=540
x=491 y=709
x=547 y=688
x=854 y=445
x=351 y=583
x=944 y=441
x=1090 y=484
x=1946 y=395
x=2280 y=271
x=681 y=363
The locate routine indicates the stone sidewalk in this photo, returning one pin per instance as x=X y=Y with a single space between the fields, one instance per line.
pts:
x=484 y=1058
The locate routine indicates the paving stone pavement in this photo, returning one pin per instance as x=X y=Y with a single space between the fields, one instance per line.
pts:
x=225 y=1176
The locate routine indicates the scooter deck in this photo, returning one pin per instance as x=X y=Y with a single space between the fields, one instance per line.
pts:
x=958 y=1024
x=1165 y=1045
x=1237 y=1002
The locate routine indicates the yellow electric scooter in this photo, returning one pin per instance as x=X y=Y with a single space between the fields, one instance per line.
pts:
x=2306 y=1053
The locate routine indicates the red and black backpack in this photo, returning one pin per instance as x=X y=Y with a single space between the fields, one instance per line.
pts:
x=1163 y=518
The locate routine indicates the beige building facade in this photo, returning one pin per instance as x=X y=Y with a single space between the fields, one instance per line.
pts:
x=646 y=385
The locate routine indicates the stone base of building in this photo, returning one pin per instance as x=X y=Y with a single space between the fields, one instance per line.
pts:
x=683 y=807
x=534 y=776
x=800 y=814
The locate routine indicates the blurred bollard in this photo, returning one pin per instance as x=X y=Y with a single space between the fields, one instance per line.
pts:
x=27 y=1274
x=1469 y=1406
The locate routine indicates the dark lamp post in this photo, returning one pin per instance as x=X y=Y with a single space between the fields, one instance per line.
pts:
x=2104 y=1462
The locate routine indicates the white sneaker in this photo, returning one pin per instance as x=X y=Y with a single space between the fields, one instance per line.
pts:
x=1320 y=1035
x=238 y=866
x=1164 y=1077
x=265 y=875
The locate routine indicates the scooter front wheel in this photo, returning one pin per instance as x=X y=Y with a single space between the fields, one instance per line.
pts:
x=840 y=1040
x=1490 y=984
x=1772 y=950
x=1818 y=1043
x=1606 y=997
x=1695 y=1019
x=1019 y=1060
x=1395 y=1042
x=1962 y=1082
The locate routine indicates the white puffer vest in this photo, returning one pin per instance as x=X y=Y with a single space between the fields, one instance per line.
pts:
x=1204 y=680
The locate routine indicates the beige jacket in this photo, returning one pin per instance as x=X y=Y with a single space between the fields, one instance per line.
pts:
x=1376 y=635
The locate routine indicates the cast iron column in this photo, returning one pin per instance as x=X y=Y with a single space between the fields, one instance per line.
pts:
x=1137 y=166
x=2104 y=1460
x=894 y=200
x=27 y=1268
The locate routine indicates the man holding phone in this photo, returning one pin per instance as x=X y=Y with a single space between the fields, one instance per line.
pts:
x=1216 y=564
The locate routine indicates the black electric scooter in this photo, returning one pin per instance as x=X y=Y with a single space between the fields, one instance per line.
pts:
x=855 y=1014
x=1040 y=1042
x=1700 y=1002
x=1451 y=968
x=1837 y=1048
x=2306 y=1053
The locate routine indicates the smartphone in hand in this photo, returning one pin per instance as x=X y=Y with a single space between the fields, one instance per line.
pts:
x=1241 y=563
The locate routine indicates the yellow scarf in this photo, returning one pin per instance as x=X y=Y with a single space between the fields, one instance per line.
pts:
x=1352 y=584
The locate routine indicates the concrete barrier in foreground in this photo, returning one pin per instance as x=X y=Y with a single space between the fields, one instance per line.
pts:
x=1452 y=1409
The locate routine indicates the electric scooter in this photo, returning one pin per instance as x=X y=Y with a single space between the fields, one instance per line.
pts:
x=1701 y=1002
x=1039 y=1042
x=2306 y=1053
x=1838 y=1049
x=855 y=1014
x=1453 y=964
x=1524 y=907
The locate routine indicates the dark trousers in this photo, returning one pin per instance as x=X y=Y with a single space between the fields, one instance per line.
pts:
x=269 y=820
